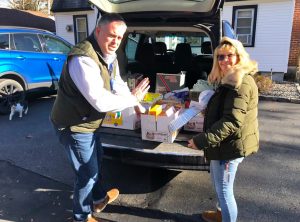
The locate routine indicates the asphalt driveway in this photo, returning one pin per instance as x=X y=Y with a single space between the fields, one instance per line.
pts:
x=36 y=179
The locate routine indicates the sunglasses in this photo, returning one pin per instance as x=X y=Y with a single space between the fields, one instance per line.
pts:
x=222 y=57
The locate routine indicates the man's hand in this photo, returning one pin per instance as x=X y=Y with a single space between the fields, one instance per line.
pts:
x=139 y=109
x=192 y=145
x=142 y=88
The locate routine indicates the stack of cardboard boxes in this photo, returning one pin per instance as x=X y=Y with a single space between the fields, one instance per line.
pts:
x=128 y=118
x=154 y=123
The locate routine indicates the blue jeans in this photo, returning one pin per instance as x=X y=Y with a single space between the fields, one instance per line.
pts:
x=223 y=175
x=84 y=151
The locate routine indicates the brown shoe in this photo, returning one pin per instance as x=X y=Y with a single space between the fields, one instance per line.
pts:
x=93 y=219
x=110 y=197
x=212 y=216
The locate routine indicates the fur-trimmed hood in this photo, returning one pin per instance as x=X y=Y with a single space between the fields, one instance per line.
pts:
x=235 y=76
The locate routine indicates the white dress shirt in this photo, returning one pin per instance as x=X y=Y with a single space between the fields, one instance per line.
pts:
x=86 y=75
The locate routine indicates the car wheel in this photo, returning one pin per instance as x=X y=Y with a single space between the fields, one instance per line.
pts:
x=10 y=92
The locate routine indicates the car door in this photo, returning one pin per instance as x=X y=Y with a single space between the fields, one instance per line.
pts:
x=29 y=60
x=56 y=51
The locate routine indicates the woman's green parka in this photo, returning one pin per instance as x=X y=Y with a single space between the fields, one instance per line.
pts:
x=231 y=124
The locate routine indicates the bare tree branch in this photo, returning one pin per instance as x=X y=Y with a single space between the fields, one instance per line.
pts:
x=34 y=5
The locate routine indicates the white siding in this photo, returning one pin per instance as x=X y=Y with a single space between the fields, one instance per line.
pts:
x=62 y=19
x=273 y=33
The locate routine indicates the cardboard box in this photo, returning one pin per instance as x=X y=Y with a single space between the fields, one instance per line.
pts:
x=133 y=80
x=169 y=82
x=194 y=95
x=155 y=128
x=195 y=124
x=127 y=119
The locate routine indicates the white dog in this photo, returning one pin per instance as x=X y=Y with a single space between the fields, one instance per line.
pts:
x=20 y=107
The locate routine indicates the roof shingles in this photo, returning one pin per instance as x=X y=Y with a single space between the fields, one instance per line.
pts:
x=70 y=5
x=14 y=17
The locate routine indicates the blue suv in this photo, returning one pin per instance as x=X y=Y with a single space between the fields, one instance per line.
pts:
x=30 y=60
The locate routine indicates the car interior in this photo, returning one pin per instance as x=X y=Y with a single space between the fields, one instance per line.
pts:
x=149 y=53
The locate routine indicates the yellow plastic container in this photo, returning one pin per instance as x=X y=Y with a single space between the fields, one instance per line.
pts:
x=155 y=110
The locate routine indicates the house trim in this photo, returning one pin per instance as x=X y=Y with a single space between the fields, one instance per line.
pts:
x=75 y=28
x=235 y=8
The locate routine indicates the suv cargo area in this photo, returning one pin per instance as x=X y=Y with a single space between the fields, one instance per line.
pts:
x=163 y=36
x=168 y=52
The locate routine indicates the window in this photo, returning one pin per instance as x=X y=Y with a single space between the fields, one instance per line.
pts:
x=244 y=22
x=27 y=42
x=196 y=44
x=193 y=40
x=4 y=41
x=81 y=27
x=54 y=45
x=131 y=45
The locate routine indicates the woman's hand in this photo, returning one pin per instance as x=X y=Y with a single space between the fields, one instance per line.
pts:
x=192 y=145
x=142 y=88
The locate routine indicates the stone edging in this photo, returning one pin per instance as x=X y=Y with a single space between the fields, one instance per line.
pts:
x=279 y=99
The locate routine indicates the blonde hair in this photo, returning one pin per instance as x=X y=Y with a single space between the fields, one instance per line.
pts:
x=244 y=61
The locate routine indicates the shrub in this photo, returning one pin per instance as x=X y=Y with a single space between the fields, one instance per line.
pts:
x=264 y=83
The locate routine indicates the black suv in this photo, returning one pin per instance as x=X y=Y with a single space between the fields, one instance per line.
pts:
x=164 y=36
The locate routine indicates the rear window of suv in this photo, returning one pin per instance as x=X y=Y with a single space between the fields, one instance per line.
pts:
x=194 y=41
x=171 y=41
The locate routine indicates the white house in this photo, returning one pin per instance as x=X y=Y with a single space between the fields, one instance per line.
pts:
x=75 y=20
x=264 y=26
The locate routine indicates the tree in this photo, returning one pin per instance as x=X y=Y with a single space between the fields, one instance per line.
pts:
x=34 y=5
x=24 y=4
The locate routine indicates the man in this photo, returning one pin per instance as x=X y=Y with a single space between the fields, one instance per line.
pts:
x=89 y=86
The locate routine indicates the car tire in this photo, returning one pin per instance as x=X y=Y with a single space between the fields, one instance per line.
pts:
x=10 y=92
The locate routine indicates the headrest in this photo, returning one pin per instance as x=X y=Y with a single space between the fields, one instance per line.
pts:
x=160 y=48
x=206 y=47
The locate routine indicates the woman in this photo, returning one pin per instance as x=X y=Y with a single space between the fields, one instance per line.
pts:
x=230 y=125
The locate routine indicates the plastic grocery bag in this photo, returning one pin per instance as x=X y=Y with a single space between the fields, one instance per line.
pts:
x=192 y=111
